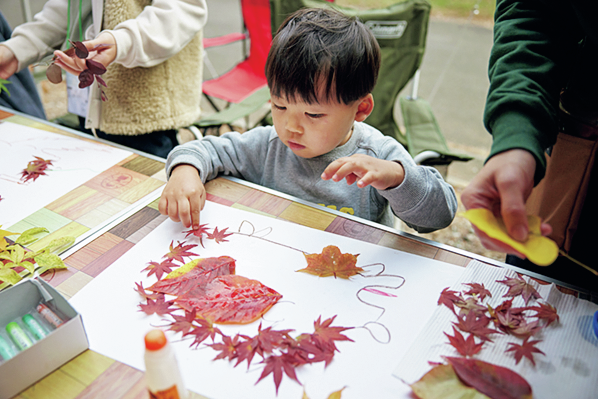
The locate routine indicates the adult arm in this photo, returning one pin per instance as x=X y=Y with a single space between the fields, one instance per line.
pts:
x=527 y=71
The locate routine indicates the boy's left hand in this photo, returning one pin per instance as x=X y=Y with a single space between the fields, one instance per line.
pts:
x=379 y=173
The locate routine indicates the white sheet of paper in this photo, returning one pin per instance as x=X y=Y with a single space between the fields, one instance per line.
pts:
x=116 y=327
x=75 y=161
x=568 y=370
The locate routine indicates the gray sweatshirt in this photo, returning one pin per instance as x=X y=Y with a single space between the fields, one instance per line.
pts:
x=424 y=201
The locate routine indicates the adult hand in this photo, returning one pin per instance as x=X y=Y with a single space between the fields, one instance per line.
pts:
x=8 y=63
x=184 y=196
x=503 y=186
x=105 y=56
x=366 y=170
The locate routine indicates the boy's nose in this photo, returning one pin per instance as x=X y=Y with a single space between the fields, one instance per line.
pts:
x=293 y=125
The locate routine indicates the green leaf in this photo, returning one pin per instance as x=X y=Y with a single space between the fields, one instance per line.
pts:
x=27 y=237
x=18 y=253
x=442 y=383
x=9 y=276
x=59 y=243
x=30 y=267
x=49 y=261
x=3 y=83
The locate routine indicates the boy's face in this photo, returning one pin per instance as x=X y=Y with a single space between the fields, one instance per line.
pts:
x=310 y=130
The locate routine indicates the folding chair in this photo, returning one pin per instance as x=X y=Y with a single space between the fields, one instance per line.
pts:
x=401 y=31
x=248 y=77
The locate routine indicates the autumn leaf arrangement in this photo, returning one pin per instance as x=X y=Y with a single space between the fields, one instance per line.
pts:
x=206 y=291
x=17 y=262
x=476 y=324
x=87 y=76
x=35 y=169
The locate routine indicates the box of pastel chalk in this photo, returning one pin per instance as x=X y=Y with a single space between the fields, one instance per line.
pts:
x=39 y=332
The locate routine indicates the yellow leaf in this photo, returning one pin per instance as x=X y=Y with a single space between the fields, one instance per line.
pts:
x=4 y=233
x=539 y=249
x=442 y=383
x=336 y=395
x=183 y=269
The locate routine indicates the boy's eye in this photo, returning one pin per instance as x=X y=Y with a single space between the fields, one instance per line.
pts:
x=315 y=116
x=279 y=107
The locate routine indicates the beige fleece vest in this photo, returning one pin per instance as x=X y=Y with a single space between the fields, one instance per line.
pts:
x=144 y=100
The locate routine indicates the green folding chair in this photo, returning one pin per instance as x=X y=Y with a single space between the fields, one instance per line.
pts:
x=401 y=30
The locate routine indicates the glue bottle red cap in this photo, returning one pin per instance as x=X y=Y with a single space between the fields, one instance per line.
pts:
x=162 y=374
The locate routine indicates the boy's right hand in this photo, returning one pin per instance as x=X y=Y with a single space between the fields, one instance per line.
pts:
x=184 y=196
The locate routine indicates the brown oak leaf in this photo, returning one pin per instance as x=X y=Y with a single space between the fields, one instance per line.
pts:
x=331 y=262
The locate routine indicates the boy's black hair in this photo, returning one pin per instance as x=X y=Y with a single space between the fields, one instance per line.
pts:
x=315 y=45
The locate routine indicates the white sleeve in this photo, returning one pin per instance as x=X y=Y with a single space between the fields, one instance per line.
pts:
x=159 y=32
x=32 y=41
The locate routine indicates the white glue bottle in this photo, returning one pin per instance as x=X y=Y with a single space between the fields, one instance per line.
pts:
x=162 y=373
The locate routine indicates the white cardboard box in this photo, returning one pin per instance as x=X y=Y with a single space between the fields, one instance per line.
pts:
x=47 y=354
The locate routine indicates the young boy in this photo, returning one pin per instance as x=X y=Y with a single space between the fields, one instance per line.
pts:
x=321 y=69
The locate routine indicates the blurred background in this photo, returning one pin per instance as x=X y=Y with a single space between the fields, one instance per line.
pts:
x=453 y=80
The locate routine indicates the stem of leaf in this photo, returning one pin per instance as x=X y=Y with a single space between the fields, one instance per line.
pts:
x=588 y=268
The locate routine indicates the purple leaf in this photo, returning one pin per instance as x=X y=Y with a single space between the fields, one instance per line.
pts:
x=85 y=78
x=95 y=67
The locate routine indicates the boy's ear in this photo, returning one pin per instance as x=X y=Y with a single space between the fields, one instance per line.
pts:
x=365 y=108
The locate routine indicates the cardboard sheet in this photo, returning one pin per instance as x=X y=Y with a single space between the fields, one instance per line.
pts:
x=382 y=333
x=568 y=370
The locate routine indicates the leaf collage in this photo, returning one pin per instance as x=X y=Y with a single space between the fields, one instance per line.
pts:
x=16 y=261
x=203 y=292
x=477 y=323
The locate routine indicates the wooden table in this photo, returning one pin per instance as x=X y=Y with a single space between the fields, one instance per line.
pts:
x=91 y=375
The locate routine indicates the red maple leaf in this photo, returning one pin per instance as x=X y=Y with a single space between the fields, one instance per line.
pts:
x=527 y=349
x=526 y=329
x=227 y=348
x=202 y=329
x=324 y=335
x=219 y=236
x=144 y=294
x=478 y=290
x=158 y=306
x=180 y=251
x=518 y=286
x=465 y=347
x=160 y=268
x=331 y=262
x=269 y=339
x=471 y=305
x=546 y=312
x=198 y=232
x=246 y=350
x=450 y=298
x=183 y=323
x=475 y=324
x=35 y=169
x=277 y=364
x=312 y=351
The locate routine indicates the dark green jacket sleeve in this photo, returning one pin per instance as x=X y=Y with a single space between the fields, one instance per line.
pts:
x=534 y=42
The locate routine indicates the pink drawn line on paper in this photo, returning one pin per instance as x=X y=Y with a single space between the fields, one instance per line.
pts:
x=378 y=292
